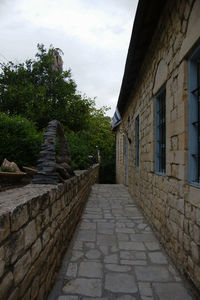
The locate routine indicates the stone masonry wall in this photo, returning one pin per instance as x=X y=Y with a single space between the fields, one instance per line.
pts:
x=171 y=205
x=36 y=225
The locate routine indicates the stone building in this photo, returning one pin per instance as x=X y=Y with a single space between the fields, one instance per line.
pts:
x=158 y=139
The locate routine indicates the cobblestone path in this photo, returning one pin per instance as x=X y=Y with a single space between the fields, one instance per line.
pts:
x=115 y=255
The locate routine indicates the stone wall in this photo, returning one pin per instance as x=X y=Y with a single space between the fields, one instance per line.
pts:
x=170 y=204
x=36 y=225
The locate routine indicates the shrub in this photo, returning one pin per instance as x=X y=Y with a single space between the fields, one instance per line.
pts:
x=79 y=150
x=19 y=140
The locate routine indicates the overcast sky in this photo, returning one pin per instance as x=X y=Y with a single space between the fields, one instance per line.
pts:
x=93 y=34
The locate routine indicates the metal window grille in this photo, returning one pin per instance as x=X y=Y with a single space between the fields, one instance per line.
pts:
x=161 y=132
x=196 y=93
x=137 y=141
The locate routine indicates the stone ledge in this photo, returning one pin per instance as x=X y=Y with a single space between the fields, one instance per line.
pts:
x=37 y=223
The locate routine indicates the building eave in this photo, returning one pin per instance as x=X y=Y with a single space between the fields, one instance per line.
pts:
x=146 y=20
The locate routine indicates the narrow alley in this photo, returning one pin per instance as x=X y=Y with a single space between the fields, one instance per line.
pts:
x=114 y=254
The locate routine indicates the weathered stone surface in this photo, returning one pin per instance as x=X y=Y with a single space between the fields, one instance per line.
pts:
x=82 y=286
x=30 y=234
x=72 y=270
x=68 y=298
x=152 y=273
x=5 y=286
x=157 y=258
x=117 y=268
x=120 y=283
x=126 y=297
x=145 y=289
x=21 y=267
x=106 y=239
x=86 y=235
x=122 y=274
x=90 y=269
x=112 y=258
x=19 y=217
x=138 y=246
x=4 y=226
x=76 y=255
x=50 y=172
x=93 y=254
x=132 y=255
x=39 y=232
x=167 y=291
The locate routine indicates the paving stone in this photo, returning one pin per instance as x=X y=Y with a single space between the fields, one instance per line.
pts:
x=131 y=246
x=120 y=225
x=124 y=247
x=175 y=291
x=86 y=298
x=90 y=269
x=125 y=297
x=85 y=287
x=130 y=225
x=174 y=272
x=90 y=245
x=142 y=226
x=104 y=249
x=106 y=231
x=86 y=235
x=125 y=230
x=103 y=239
x=114 y=249
x=76 y=255
x=152 y=246
x=112 y=259
x=120 y=283
x=145 y=289
x=78 y=245
x=143 y=237
x=152 y=273
x=71 y=270
x=93 y=254
x=67 y=298
x=132 y=255
x=133 y=262
x=117 y=268
x=88 y=226
x=157 y=258
x=92 y=216
x=122 y=237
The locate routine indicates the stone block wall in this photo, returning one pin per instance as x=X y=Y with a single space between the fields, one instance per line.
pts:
x=170 y=204
x=36 y=225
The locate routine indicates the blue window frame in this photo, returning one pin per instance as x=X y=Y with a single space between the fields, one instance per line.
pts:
x=194 y=118
x=160 y=132
x=137 y=142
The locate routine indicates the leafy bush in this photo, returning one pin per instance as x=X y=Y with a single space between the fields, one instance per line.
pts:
x=79 y=150
x=19 y=140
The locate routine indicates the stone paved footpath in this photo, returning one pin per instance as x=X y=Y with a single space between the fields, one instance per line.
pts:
x=115 y=255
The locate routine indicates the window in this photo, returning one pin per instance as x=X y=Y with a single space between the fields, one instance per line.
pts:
x=194 y=118
x=137 y=142
x=160 y=132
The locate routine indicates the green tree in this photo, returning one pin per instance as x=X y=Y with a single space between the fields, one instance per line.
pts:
x=36 y=91
x=19 y=140
x=97 y=137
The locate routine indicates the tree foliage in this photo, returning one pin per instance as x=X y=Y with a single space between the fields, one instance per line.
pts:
x=37 y=92
x=19 y=140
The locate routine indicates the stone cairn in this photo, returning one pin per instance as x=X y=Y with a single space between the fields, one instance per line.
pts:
x=53 y=169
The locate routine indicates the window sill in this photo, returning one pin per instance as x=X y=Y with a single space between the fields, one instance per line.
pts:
x=194 y=184
x=160 y=174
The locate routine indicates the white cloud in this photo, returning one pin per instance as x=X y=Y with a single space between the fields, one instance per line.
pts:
x=93 y=34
